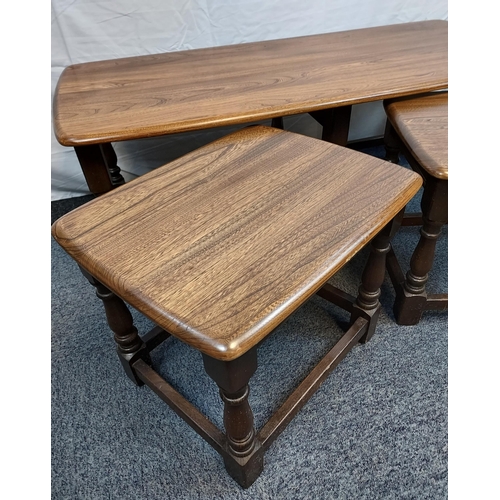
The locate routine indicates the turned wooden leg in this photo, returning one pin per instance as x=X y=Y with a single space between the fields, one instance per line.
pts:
x=99 y=166
x=112 y=164
x=367 y=303
x=243 y=462
x=391 y=143
x=411 y=301
x=129 y=345
x=412 y=298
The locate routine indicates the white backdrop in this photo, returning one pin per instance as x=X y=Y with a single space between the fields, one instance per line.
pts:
x=91 y=30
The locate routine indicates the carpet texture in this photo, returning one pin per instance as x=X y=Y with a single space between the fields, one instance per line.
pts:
x=376 y=428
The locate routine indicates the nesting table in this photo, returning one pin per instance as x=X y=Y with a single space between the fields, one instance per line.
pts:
x=220 y=246
x=417 y=126
x=97 y=103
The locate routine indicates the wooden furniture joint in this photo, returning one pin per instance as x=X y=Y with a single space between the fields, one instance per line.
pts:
x=246 y=468
x=220 y=246
x=97 y=103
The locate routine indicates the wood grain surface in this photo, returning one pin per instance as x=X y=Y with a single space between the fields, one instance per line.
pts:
x=221 y=245
x=159 y=94
x=422 y=124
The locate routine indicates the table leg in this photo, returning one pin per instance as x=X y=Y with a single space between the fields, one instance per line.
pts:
x=130 y=347
x=244 y=462
x=278 y=123
x=393 y=147
x=335 y=124
x=99 y=166
x=391 y=144
x=411 y=298
x=367 y=303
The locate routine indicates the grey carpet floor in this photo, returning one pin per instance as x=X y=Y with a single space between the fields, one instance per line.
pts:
x=376 y=428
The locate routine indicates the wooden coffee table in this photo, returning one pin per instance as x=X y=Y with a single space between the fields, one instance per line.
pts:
x=220 y=246
x=98 y=103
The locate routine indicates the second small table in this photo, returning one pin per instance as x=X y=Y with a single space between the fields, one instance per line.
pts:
x=418 y=127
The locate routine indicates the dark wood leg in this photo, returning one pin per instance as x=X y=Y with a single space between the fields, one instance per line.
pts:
x=391 y=143
x=99 y=166
x=112 y=164
x=367 y=303
x=278 y=123
x=393 y=148
x=335 y=124
x=129 y=345
x=412 y=299
x=243 y=461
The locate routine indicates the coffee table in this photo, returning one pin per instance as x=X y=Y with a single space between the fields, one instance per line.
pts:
x=101 y=102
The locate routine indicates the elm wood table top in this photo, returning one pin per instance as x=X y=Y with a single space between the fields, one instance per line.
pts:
x=146 y=96
x=422 y=124
x=221 y=245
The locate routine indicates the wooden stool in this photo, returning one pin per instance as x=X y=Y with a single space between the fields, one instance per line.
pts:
x=418 y=127
x=220 y=246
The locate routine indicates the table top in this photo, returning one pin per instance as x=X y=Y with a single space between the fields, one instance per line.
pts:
x=422 y=124
x=221 y=245
x=152 y=95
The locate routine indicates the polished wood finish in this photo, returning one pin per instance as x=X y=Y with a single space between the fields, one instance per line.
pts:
x=203 y=230
x=421 y=123
x=418 y=126
x=153 y=95
x=159 y=94
x=223 y=244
